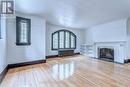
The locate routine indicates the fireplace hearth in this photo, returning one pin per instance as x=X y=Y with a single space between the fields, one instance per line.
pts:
x=106 y=54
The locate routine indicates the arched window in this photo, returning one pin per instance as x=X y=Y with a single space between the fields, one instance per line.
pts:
x=63 y=39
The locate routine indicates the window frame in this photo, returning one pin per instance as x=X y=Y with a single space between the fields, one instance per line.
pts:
x=70 y=33
x=18 y=31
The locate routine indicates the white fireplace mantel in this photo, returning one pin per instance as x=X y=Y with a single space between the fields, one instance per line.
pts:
x=119 y=49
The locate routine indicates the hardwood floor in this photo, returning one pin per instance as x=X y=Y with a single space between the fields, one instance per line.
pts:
x=77 y=71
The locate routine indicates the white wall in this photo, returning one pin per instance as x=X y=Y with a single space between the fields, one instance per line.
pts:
x=35 y=51
x=80 y=33
x=89 y=36
x=3 y=62
x=109 y=32
x=128 y=39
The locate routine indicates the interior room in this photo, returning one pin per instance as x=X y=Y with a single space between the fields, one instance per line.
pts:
x=64 y=43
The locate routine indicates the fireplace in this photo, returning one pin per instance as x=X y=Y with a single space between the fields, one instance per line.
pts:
x=106 y=54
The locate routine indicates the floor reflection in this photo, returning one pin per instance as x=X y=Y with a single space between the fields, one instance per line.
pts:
x=63 y=71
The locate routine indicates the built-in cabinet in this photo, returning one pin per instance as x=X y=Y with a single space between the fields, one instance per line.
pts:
x=87 y=50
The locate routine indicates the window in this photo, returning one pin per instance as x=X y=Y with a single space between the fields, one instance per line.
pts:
x=23 y=31
x=63 y=39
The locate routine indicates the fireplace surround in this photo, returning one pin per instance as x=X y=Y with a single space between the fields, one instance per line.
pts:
x=118 y=47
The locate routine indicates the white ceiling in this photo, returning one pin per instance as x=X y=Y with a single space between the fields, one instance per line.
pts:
x=76 y=13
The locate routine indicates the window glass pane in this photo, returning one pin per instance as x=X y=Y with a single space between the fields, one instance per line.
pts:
x=23 y=35
x=55 y=41
x=61 y=39
x=72 y=41
x=67 y=39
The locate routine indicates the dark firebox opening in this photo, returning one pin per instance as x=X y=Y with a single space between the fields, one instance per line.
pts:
x=106 y=53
